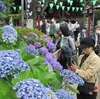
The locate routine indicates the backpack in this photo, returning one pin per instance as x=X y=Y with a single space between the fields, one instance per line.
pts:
x=64 y=56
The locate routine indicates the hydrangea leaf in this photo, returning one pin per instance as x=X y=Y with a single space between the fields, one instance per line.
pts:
x=6 y=91
x=35 y=61
x=23 y=75
x=4 y=86
x=72 y=88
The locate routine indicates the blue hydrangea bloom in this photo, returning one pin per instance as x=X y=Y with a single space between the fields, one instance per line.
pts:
x=9 y=34
x=43 y=50
x=37 y=44
x=2 y=6
x=30 y=89
x=11 y=63
x=62 y=94
x=51 y=94
x=30 y=49
x=51 y=46
x=71 y=77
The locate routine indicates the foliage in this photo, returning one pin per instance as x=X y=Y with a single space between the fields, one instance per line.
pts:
x=8 y=4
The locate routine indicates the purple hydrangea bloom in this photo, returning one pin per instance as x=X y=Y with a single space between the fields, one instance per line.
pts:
x=37 y=44
x=56 y=65
x=51 y=46
x=63 y=94
x=9 y=34
x=44 y=37
x=30 y=49
x=50 y=54
x=30 y=89
x=35 y=35
x=43 y=50
x=11 y=63
x=46 y=62
x=2 y=6
x=71 y=77
x=49 y=58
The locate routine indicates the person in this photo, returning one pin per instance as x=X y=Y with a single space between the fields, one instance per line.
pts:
x=67 y=46
x=76 y=30
x=88 y=67
x=48 y=26
x=96 y=37
x=81 y=35
x=52 y=28
x=57 y=38
x=43 y=26
x=11 y=21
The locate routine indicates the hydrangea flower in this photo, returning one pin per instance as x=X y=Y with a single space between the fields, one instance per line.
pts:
x=44 y=37
x=43 y=50
x=9 y=34
x=62 y=94
x=50 y=55
x=56 y=65
x=30 y=49
x=51 y=94
x=71 y=77
x=35 y=35
x=50 y=60
x=37 y=44
x=30 y=89
x=2 y=6
x=11 y=63
x=51 y=46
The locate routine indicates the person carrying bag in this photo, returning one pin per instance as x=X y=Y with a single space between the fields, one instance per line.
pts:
x=88 y=67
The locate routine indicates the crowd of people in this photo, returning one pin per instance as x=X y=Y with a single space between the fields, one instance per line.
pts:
x=73 y=40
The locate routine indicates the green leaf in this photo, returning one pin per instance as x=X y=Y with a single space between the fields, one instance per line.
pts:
x=21 y=76
x=72 y=88
x=6 y=91
x=56 y=83
x=4 y=86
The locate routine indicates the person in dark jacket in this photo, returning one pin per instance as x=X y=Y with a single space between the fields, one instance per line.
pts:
x=96 y=37
x=57 y=38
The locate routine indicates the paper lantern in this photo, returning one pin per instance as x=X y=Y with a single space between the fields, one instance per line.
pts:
x=51 y=5
x=57 y=7
x=14 y=8
x=68 y=8
x=77 y=8
x=68 y=1
x=61 y=3
x=43 y=1
x=55 y=1
x=81 y=0
x=73 y=8
x=63 y=7
x=81 y=8
x=20 y=7
x=94 y=2
x=71 y=2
